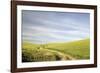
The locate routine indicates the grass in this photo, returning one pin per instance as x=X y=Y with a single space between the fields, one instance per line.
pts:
x=78 y=49
x=35 y=55
x=56 y=51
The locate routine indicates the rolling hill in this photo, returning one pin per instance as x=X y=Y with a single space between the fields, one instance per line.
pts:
x=56 y=51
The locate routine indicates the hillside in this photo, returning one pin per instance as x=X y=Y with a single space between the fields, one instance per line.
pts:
x=78 y=49
x=56 y=51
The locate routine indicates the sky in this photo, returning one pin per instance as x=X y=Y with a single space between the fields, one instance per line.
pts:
x=43 y=27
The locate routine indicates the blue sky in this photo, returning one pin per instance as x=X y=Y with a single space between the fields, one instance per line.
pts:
x=46 y=27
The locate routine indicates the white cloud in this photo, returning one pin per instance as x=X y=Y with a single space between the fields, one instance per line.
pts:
x=52 y=27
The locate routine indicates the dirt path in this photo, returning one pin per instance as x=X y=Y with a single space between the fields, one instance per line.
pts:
x=62 y=55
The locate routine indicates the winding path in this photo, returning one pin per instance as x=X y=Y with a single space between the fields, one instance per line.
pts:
x=63 y=56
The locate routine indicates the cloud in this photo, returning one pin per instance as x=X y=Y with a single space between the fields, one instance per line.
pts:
x=39 y=26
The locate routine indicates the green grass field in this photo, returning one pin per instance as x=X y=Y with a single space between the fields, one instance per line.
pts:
x=75 y=50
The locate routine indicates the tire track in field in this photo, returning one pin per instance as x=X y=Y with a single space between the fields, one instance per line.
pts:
x=63 y=56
